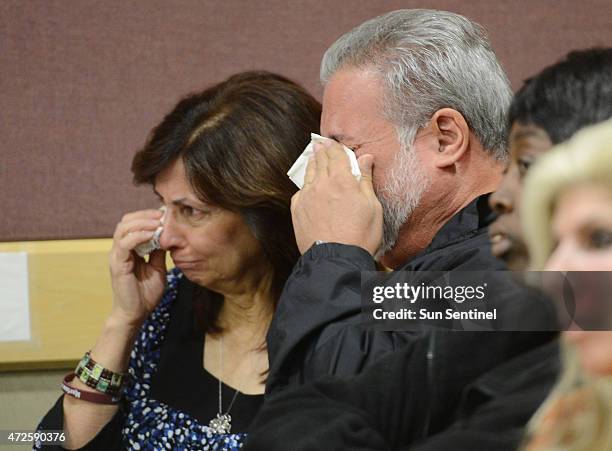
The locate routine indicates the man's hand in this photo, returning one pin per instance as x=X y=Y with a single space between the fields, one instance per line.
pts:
x=333 y=206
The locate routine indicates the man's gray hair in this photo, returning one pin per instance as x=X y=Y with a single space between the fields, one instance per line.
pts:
x=429 y=60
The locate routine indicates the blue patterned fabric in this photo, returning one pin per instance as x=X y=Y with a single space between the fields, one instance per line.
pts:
x=150 y=424
x=153 y=425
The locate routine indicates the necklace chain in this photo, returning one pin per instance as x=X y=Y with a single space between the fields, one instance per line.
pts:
x=222 y=424
x=220 y=375
x=220 y=384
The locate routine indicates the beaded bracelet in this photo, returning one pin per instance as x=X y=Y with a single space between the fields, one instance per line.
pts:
x=96 y=398
x=94 y=375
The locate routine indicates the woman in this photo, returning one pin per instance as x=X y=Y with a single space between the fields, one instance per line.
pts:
x=193 y=339
x=567 y=214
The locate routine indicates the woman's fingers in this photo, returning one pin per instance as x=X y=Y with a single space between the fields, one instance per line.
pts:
x=129 y=220
x=157 y=260
x=135 y=225
x=133 y=239
x=121 y=257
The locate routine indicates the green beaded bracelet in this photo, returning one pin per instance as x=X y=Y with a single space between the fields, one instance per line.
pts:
x=94 y=375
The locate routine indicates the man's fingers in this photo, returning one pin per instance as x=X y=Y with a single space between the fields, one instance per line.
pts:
x=339 y=164
x=322 y=159
x=294 y=202
x=366 y=163
x=311 y=171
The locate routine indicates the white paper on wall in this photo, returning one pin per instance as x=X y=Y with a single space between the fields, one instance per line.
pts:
x=14 y=297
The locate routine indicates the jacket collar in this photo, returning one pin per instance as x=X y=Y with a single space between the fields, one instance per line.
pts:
x=469 y=221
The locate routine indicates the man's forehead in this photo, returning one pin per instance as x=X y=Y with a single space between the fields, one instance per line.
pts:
x=351 y=99
x=350 y=82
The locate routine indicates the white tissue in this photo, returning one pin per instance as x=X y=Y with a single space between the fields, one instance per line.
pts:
x=298 y=170
x=153 y=244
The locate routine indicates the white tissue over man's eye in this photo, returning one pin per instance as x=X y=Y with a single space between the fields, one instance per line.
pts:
x=297 y=172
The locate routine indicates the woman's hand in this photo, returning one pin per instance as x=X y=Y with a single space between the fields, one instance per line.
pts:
x=137 y=285
x=137 y=288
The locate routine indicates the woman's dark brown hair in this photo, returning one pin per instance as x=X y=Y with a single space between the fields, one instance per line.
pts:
x=237 y=140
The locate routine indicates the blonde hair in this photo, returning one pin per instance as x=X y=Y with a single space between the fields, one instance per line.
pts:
x=576 y=416
x=585 y=159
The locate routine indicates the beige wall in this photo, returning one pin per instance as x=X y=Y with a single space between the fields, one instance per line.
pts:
x=25 y=397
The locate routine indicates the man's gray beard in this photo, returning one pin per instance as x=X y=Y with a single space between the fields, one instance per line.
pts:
x=405 y=184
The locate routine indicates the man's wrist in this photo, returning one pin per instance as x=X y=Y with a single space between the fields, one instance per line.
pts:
x=321 y=242
x=357 y=255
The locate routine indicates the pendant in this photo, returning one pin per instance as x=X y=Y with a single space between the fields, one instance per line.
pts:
x=222 y=424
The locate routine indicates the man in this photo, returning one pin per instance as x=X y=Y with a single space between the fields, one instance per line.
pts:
x=403 y=88
x=389 y=404
x=420 y=97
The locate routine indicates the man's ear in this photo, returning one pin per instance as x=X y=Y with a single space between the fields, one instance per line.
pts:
x=453 y=136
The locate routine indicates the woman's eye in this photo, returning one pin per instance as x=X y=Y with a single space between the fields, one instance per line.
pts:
x=190 y=212
x=600 y=239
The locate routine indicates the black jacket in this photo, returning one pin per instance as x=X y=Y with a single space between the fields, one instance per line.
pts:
x=452 y=402
x=430 y=390
x=317 y=329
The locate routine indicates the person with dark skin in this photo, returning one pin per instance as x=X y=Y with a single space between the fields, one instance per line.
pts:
x=547 y=110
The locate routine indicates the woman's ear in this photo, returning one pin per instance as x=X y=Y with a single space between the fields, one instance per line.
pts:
x=452 y=134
